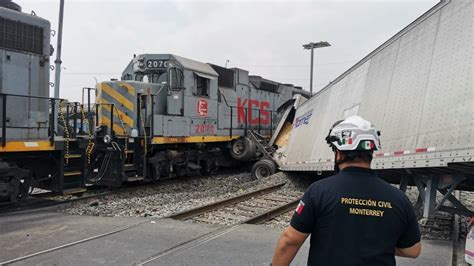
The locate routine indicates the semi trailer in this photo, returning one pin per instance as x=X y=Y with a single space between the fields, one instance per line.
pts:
x=417 y=89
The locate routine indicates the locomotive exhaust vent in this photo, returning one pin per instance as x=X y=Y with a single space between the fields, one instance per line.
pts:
x=21 y=37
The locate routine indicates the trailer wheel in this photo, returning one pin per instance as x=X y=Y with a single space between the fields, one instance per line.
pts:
x=263 y=168
x=243 y=149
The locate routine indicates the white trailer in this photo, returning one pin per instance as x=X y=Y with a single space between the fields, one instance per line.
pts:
x=417 y=89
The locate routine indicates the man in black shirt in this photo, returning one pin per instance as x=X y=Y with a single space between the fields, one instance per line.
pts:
x=354 y=217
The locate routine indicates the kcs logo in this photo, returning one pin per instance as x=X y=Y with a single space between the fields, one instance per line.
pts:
x=251 y=107
x=201 y=107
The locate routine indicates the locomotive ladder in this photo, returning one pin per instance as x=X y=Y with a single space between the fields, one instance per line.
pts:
x=74 y=163
x=73 y=168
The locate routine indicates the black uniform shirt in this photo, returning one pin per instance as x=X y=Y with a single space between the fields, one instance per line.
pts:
x=355 y=218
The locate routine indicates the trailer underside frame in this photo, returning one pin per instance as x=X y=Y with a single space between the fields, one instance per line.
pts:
x=429 y=186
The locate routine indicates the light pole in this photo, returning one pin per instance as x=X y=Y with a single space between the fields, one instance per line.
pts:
x=311 y=46
x=57 y=75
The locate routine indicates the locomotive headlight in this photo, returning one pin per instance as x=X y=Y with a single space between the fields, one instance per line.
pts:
x=138 y=63
x=107 y=139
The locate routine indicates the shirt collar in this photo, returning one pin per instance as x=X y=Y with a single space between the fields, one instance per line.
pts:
x=358 y=170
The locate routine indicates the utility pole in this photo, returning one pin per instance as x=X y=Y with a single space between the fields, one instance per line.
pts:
x=57 y=75
x=311 y=46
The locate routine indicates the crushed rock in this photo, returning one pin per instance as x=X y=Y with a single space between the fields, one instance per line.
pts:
x=165 y=199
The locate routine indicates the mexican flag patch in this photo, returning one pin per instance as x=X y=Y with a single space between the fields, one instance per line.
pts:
x=369 y=145
x=300 y=207
x=347 y=141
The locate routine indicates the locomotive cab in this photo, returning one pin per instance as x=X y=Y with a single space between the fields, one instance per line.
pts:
x=182 y=78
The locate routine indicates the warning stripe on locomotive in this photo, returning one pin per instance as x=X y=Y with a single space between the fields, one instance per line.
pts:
x=118 y=95
x=123 y=97
x=118 y=114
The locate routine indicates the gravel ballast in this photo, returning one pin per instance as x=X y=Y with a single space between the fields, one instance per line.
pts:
x=161 y=200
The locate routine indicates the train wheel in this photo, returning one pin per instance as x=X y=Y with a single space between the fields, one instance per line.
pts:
x=24 y=188
x=243 y=149
x=263 y=168
x=14 y=182
x=206 y=167
x=8 y=189
x=181 y=171
x=153 y=172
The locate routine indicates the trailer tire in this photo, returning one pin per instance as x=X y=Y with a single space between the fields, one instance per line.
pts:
x=243 y=149
x=263 y=168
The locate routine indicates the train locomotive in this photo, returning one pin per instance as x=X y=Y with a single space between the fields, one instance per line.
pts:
x=29 y=154
x=167 y=116
x=172 y=116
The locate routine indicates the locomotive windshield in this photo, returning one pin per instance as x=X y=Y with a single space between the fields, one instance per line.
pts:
x=156 y=76
x=172 y=77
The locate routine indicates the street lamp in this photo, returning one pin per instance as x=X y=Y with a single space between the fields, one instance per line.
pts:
x=57 y=75
x=311 y=46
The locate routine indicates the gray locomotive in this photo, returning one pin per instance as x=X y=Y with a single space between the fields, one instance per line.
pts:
x=171 y=116
x=29 y=155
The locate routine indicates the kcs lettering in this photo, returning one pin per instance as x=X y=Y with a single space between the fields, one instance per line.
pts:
x=253 y=108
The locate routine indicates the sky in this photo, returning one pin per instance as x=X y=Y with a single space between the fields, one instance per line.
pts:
x=263 y=37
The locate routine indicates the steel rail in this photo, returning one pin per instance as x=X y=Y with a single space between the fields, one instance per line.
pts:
x=33 y=205
x=187 y=244
x=268 y=215
x=71 y=243
x=200 y=240
x=219 y=204
x=28 y=256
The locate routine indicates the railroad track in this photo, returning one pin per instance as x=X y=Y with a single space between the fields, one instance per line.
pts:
x=264 y=204
x=47 y=200
x=253 y=208
x=267 y=203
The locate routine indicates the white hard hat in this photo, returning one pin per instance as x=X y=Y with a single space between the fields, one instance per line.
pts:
x=354 y=133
